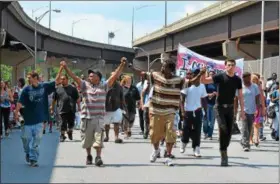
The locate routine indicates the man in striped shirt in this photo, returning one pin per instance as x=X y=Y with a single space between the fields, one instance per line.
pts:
x=164 y=103
x=93 y=109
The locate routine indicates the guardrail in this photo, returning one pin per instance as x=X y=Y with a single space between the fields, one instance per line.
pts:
x=18 y=11
x=216 y=10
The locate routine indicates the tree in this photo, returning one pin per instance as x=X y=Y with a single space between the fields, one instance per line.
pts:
x=6 y=72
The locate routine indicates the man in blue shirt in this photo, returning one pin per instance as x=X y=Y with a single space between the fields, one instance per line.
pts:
x=35 y=100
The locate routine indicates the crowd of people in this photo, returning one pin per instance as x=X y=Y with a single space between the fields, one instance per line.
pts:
x=168 y=107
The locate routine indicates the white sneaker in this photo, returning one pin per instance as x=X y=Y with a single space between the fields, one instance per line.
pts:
x=183 y=147
x=168 y=162
x=154 y=155
x=197 y=152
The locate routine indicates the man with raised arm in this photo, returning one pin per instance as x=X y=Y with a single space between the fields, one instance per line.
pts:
x=227 y=84
x=164 y=102
x=34 y=98
x=93 y=108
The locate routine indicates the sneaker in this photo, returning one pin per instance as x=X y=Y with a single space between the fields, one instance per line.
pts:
x=205 y=136
x=183 y=147
x=33 y=163
x=210 y=138
x=168 y=162
x=89 y=160
x=27 y=158
x=106 y=139
x=197 y=152
x=98 y=161
x=44 y=131
x=154 y=155
x=262 y=138
x=118 y=141
x=62 y=138
x=168 y=156
x=145 y=136
x=246 y=149
x=70 y=135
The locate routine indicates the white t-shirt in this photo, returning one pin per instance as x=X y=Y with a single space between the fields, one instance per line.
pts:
x=194 y=95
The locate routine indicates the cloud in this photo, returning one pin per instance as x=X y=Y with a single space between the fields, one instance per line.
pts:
x=97 y=25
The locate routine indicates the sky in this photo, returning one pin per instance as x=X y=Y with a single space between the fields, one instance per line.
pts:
x=101 y=17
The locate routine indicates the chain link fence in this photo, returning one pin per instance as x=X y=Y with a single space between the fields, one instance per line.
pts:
x=271 y=65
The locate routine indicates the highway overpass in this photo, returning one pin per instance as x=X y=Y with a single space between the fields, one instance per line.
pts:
x=20 y=27
x=237 y=22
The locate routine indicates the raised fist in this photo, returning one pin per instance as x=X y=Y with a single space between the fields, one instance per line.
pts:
x=63 y=63
x=123 y=60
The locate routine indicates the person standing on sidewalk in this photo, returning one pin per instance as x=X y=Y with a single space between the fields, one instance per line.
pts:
x=227 y=84
x=252 y=103
x=144 y=104
x=93 y=108
x=67 y=97
x=114 y=104
x=209 y=123
x=35 y=100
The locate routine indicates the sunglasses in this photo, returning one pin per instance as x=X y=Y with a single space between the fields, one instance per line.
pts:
x=230 y=64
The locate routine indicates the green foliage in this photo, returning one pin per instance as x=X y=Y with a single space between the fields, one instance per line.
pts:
x=6 y=72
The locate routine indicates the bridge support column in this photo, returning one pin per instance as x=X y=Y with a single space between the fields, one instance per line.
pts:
x=45 y=70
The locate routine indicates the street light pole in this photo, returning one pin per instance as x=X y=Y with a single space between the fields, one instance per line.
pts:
x=37 y=20
x=262 y=42
x=132 y=29
x=73 y=23
x=133 y=12
x=165 y=13
x=50 y=14
x=147 y=54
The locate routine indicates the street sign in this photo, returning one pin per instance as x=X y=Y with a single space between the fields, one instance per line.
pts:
x=41 y=56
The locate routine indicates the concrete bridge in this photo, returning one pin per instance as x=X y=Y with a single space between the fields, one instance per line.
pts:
x=236 y=22
x=18 y=26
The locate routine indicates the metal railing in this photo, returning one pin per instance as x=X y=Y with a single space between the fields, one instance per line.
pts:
x=271 y=65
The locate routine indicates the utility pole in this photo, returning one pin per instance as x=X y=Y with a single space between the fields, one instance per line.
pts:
x=262 y=42
x=165 y=23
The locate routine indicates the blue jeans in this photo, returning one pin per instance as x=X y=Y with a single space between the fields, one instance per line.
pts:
x=31 y=138
x=276 y=124
x=208 y=125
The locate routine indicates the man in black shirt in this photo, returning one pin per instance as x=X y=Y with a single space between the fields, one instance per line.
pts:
x=114 y=104
x=66 y=96
x=227 y=84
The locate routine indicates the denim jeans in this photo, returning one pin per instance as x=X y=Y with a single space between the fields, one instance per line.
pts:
x=276 y=124
x=246 y=129
x=209 y=123
x=31 y=137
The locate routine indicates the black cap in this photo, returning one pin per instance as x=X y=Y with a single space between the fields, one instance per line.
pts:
x=95 y=72
x=195 y=71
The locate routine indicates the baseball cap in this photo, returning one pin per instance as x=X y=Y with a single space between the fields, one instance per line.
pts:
x=95 y=72
x=195 y=71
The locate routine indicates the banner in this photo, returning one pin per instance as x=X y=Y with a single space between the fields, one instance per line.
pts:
x=187 y=59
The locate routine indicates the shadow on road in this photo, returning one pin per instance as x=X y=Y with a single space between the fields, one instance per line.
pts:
x=13 y=166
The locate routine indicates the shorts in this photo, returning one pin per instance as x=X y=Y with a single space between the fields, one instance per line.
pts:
x=92 y=132
x=162 y=126
x=113 y=117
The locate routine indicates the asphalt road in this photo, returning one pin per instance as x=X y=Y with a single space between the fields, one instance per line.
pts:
x=129 y=162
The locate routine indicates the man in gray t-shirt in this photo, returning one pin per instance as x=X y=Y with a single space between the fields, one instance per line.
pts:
x=251 y=96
